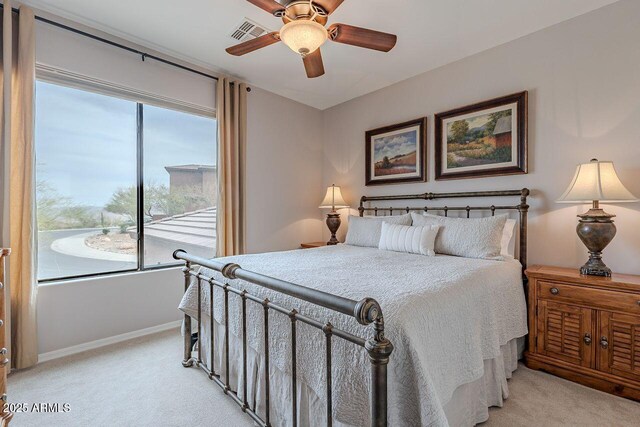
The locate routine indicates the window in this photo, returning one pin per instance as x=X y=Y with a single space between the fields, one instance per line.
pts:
x=108 y=167
x=179 y=183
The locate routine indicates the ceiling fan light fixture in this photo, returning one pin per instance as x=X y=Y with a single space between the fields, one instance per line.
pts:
x=303 y=36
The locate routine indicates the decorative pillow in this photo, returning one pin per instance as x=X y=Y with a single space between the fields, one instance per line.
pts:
x=404 y=238
x=466 y=237
x=365 y=231
x=508 y=242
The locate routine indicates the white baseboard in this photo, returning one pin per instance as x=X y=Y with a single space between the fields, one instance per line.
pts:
x=56 y=354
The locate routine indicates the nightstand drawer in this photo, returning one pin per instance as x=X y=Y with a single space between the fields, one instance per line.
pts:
x=591 y=297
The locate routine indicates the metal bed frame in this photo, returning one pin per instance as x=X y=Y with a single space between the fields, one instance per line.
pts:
x=367 y=311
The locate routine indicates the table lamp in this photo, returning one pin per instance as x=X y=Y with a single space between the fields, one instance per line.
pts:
x=596 y=182
x=333 y=200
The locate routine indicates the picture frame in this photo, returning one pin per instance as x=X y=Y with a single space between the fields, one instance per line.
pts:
x=484 y=139
x=397 y=153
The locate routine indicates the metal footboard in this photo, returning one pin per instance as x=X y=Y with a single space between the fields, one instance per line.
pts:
x=366 y=311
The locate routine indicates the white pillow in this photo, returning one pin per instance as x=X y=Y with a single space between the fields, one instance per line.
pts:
x=365 y=231
x=412 y=240
x=466 y=237
x=508 y=242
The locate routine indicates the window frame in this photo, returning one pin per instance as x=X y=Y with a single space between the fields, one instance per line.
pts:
x=85 y=84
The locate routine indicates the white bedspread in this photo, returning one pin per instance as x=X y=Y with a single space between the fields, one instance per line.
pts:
x=444 y=315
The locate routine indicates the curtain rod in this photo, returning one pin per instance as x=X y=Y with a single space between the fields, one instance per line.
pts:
x=142 y=54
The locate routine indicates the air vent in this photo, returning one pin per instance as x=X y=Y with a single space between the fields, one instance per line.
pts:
x=247 y=30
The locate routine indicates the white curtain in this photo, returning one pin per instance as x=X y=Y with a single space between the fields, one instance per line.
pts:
x=18 y=200
x=231 y=113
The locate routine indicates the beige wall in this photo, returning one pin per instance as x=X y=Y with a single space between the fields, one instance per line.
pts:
x=583 y=78
x=284 y=173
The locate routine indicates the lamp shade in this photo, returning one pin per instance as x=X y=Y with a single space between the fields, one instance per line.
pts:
x=596 y=181
x=333 y=199
x=303 y=36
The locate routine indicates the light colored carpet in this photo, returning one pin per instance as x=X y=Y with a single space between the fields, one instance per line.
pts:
x=142 y=383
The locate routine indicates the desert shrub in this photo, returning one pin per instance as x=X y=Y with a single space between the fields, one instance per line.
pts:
x=123 y=226
x=158 y=198
x=79 y=216
x=57 y=212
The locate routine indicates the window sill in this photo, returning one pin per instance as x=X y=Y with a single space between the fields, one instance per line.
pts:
x=100 y=276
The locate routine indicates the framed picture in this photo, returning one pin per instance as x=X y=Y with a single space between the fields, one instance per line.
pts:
x=397 y=153
x=485 y=139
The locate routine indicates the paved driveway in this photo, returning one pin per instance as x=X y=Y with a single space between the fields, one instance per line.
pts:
x=53 y=265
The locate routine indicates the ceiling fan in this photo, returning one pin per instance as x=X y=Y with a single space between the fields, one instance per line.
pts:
x=304 y=32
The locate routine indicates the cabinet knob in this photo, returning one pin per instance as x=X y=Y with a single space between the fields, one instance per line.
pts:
x=3 y=397
x=3 y=351
x=1 y=323
x=587 y=339
x=554 y=291
x=4 y=362
x=1 y=285
x=604 y=342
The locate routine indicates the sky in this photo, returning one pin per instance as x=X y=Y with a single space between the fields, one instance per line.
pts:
x=391 y=146
x=86 y=142
x=474 y=122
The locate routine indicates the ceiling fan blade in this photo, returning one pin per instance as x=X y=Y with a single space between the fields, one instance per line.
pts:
x=362 y=37
x=313 y=64
x=271 y=6
x=329 y=5
x=255 y=44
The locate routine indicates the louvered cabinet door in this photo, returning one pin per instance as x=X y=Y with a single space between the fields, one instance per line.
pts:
x=565 y=332
x=619 y=344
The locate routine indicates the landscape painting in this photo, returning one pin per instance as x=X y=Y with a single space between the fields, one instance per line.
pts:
x=396 y=153
x=483 y=139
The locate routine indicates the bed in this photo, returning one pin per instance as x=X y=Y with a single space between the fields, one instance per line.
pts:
x=449 y=339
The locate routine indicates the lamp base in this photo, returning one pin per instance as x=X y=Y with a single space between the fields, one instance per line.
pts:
x=596 y=230
x=333 y=222
x=594 y=266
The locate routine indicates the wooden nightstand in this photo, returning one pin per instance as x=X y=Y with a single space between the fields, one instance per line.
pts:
x=312 y=245
x=585 y=328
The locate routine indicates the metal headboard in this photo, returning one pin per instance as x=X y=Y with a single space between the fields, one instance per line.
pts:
x=522 y=208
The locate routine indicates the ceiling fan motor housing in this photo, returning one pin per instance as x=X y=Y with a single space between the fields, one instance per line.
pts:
x=303 y=9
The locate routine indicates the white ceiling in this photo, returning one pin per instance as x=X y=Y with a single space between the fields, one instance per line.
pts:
x=431 y=33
